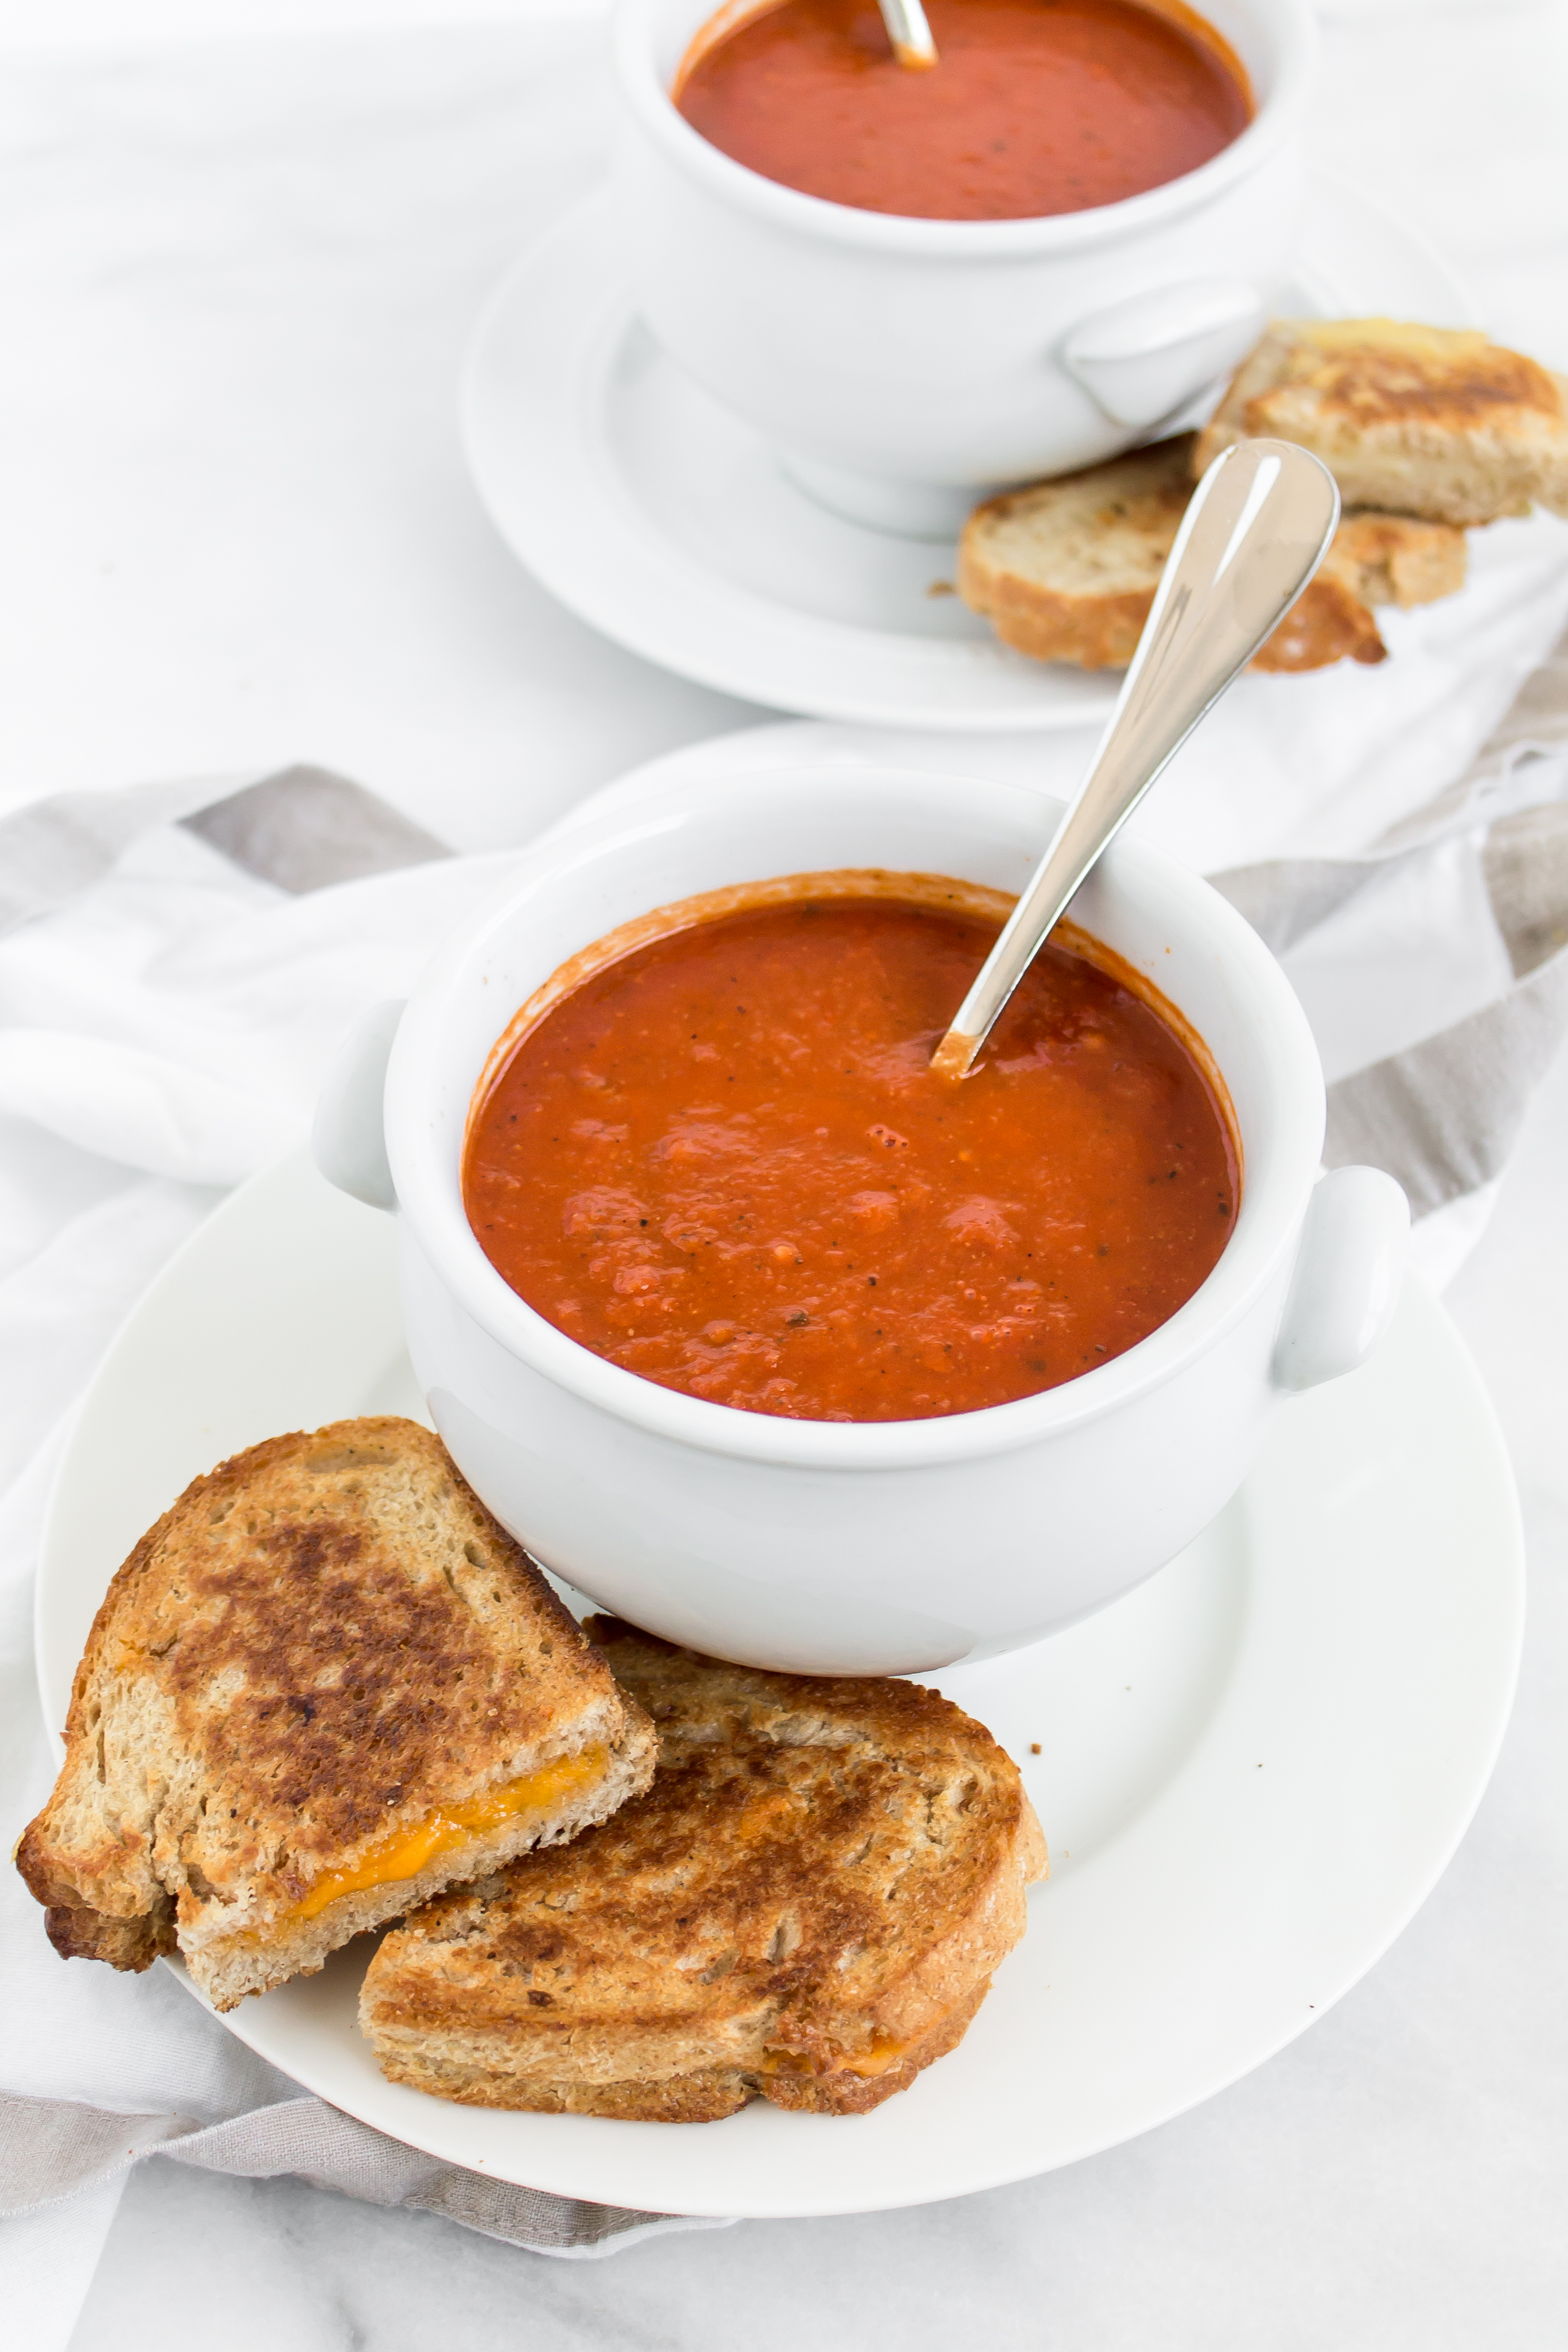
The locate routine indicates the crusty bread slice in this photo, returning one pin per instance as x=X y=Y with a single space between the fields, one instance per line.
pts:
x=806 y=1908
x=1373 y=558
x=1427 y=421
x=1067 y=570
x=326 y=1684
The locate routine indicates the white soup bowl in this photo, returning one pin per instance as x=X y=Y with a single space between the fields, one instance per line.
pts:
x=903 y=367
x=885 y=1547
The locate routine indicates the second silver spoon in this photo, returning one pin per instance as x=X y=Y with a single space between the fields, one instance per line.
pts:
x=1258 y=526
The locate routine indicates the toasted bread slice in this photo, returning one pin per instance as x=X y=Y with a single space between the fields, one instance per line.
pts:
x=1067 y=571
x=1427 y=421
x=806 y=1908
x=326 y=1684
x=1373 y=558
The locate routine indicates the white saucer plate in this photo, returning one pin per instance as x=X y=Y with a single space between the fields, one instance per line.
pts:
x=1250 y=1772
x=665 y=522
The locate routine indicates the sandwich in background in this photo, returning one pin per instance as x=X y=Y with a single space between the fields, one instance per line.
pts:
x=1434 y=422
x=325 y=1687
x=807 y=1907
x=1427 y=430
x=1067 y=571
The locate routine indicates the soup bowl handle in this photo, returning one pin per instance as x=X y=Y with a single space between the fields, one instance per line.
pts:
x=1350 y=1268
x=1145 y=359
x=348 y=1139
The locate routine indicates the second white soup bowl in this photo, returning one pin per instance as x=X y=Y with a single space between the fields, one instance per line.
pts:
x=903 y=366
x=887 y=1547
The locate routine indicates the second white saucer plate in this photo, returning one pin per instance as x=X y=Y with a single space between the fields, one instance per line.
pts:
x=662 y=519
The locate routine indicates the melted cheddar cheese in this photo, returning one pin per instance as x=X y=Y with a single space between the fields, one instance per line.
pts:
x=405 y=1853
x=1340 y=335
x=883 y=2053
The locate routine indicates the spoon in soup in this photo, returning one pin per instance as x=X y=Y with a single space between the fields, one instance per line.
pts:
x=1255 y=530
x=909 y=33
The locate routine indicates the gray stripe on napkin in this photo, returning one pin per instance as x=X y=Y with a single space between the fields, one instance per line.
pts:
x=1443 y=1117
x=302 y=829
x=305 y=829
x=51 y=2149
x=1286 y=898
x=1526 y=861
x=1537 y=718
x=1534 y=728
x=61 y=845
x=1526 y=856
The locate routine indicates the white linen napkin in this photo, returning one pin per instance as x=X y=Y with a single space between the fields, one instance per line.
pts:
x=182 y=960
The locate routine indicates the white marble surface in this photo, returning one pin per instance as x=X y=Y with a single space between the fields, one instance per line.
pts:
x=241 y=276
x=238 y=275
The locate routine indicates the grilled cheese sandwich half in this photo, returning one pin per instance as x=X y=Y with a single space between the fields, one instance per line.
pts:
x=1067 y=570
x=325 y=1687
x=1434 y=421
x=807 y=1908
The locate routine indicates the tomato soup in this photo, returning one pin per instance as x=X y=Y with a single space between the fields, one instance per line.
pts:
x=722 y=1162
x=1033 y=107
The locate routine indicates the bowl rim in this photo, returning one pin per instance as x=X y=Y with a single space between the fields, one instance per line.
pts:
x=427 y=1177
x=819 y=220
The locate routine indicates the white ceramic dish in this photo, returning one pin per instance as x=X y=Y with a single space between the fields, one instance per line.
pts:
x=904 y=367
x=662 y=519
x=1251 y=1772
x=803 y=1544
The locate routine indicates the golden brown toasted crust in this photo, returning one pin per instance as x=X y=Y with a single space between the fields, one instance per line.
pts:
x=321 y=1643
x=77 y=1932
x=705 y=2095
x=1067 y=570
x=1425 y=421
x=807 y=1907
x=1373 y=558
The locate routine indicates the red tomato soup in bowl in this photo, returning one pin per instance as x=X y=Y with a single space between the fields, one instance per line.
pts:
x=1034 y=107
x=712 y=1152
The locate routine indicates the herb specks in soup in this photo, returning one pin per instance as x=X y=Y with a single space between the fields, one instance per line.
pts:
x=723 y=1163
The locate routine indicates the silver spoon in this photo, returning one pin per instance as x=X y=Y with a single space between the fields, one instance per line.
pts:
x=1258 y=526
x=909 y=33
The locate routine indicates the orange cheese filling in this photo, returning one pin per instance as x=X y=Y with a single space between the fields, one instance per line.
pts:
x=883 y=2053
x=405 y=1853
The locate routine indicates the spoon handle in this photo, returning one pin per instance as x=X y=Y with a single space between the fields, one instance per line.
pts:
x=909 y=33
x=1258 y=526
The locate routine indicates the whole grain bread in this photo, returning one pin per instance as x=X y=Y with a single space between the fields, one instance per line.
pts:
x=1427 y=421
x=322 y=1645
x=807 y=1908
x=1067 y=570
